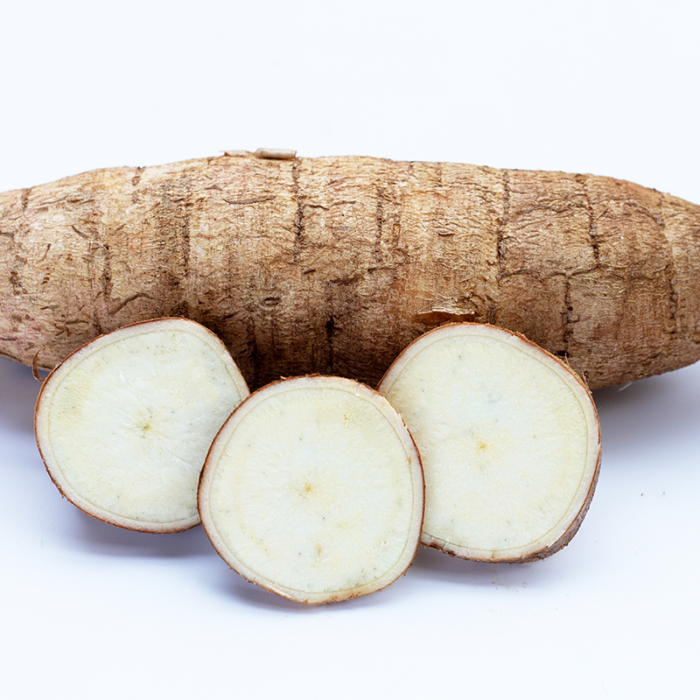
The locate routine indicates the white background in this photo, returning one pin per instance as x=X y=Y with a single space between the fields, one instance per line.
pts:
x=611 y=88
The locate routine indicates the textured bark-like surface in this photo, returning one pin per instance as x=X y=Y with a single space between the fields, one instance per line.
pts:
x=334 y=265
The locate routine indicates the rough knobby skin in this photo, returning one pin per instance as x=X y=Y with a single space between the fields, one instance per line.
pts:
x=336 y=264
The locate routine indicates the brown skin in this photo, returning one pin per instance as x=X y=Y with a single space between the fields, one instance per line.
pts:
x=334 y=265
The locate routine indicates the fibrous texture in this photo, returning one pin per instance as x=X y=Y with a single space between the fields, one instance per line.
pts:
x=334 y=265
x=124 y=424
x=313 y=489
x=509 y=440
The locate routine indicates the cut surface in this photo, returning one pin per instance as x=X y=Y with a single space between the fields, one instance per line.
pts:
x=313 y=489
x=124 y=423
x=509 y=440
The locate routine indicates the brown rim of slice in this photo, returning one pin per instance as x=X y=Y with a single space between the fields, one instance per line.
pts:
x=313 y=490
x=509 y=439
x=124 y=423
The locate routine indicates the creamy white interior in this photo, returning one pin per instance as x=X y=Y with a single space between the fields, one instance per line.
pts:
x=506 y=439
x=125 y=425
x=311 y=489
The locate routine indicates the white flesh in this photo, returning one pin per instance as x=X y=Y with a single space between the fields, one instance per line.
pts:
x=124 y=423
x=509 y=440
x=313 y=489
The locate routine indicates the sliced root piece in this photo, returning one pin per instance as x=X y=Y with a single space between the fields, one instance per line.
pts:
x=509 y=440
x=124 y=423
x=313 y=490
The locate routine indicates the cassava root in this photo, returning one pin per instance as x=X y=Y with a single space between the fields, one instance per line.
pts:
x=509 y=440
x=313 y=489
x=334 y=265
x=124 y=423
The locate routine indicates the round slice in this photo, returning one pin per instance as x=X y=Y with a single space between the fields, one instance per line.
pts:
x=509 y=440
x=313 y=490
x=125 y=422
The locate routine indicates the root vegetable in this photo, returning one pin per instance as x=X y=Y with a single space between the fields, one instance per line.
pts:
x=509 y=440
x=125 y=422
x=334 y=265
x=313 y=489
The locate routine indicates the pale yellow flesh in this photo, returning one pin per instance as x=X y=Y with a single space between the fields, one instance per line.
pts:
x=507 y=435
x=124 y=425
x=314 y=490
